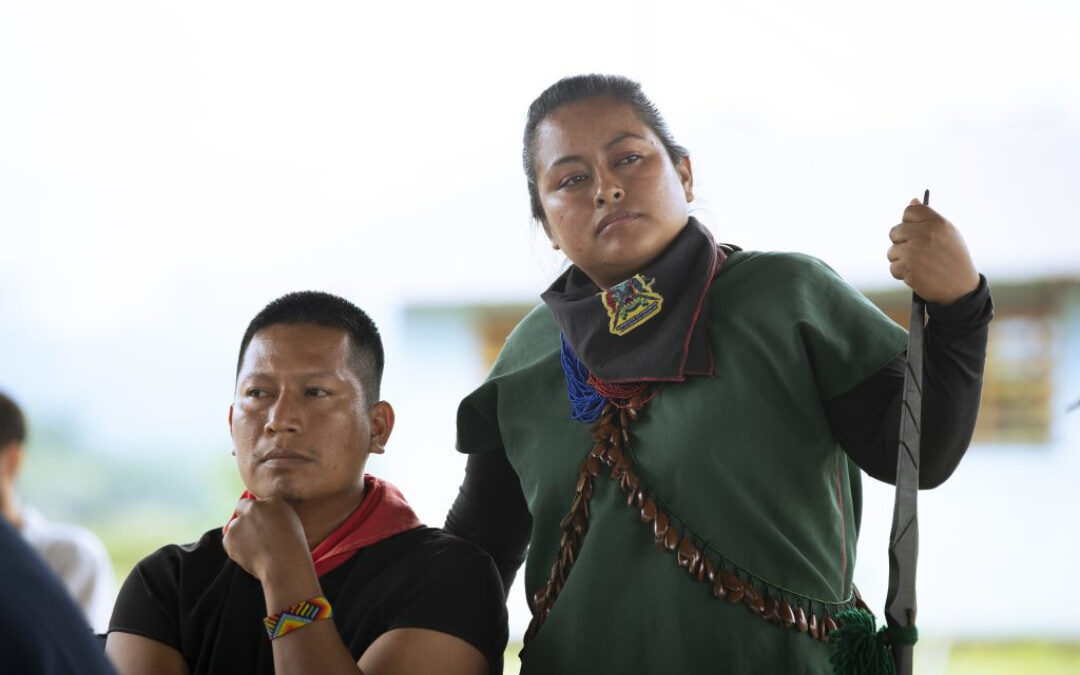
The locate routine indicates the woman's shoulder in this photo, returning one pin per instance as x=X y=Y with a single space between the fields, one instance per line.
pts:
x=787 y=263
x=534 y=339
x=780 y=276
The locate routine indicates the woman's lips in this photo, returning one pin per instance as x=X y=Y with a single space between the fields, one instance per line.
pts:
x=616 y=218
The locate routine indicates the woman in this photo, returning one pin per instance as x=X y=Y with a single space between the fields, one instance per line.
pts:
x=682 y=424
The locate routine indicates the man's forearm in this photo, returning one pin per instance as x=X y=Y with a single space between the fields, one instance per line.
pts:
x=315 y=648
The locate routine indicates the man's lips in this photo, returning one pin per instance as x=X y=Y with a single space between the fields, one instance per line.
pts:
x=614 y=218
x=283 y=456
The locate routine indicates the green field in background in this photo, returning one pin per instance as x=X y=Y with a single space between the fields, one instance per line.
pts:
x=1001 y=658
x=965 y=658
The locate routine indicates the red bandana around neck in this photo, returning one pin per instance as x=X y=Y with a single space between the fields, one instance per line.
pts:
x=382 y=513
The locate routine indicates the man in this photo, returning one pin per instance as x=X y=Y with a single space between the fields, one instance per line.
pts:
x=346 y=577
x=74 y=553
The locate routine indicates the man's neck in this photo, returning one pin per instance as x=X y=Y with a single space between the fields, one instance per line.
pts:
x=321 y=519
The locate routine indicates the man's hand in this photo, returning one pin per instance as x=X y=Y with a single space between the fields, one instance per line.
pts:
x=266 y=534
x=928 y=254
x=267 y=539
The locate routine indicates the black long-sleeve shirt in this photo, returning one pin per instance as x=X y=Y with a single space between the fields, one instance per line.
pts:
x=490 y=509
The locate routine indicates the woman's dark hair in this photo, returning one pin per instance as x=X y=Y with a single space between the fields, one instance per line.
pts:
x=577 y=88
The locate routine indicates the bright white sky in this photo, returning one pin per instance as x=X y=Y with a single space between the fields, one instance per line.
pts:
x=166 y=168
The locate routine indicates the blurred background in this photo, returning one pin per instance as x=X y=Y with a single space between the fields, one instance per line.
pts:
x=168 y=168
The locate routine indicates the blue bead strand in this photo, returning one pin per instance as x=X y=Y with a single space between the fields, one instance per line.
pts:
x=586 y=403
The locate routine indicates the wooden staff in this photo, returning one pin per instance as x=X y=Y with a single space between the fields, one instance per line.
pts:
x=904 y=538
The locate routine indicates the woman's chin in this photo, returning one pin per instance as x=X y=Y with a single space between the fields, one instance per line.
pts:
x=625 y=264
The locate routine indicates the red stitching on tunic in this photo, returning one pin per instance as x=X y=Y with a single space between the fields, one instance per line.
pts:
x=843 y=539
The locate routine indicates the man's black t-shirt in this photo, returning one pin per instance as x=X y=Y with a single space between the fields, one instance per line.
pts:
x=198 y=601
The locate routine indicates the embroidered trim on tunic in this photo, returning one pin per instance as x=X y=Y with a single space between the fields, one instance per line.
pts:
x=728 y=581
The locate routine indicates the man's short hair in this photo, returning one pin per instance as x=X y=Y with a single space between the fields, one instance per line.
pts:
x=12 y=422
x=329 y=311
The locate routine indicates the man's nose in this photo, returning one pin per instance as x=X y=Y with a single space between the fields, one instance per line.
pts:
x=284 y=415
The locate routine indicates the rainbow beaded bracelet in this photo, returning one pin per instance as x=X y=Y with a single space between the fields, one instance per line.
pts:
x=297 y=616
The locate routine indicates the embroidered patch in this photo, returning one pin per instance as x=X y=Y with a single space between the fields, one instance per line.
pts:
x=631 y=303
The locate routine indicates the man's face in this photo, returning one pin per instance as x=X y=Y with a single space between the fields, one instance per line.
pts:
x=301 y=425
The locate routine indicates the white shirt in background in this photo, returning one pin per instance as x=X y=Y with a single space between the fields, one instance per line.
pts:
x=79 y=558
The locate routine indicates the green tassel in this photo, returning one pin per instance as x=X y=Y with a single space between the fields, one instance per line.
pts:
x=858 y=648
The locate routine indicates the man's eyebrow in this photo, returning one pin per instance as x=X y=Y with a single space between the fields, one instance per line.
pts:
x=261 y=375
x=607 y=146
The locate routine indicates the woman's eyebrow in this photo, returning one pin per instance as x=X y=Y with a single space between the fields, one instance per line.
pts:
x=607 y=146
x=564 y=160
x=622 y=137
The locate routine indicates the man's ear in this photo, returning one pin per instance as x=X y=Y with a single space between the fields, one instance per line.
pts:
x=230 y=428
x=382 y=424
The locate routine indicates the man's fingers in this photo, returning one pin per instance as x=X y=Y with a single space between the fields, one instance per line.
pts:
x=899 y=270
x=893 y=254
x=242 y=507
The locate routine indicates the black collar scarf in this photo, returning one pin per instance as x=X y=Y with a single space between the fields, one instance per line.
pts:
x=647 y=328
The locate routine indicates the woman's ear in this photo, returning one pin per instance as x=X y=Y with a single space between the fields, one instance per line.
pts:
x=547 y=231
x=686 y=177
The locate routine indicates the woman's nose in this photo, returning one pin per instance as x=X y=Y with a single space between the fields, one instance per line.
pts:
x=607 y=191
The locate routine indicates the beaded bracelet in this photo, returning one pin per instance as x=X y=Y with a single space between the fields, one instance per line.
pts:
x=297 y=616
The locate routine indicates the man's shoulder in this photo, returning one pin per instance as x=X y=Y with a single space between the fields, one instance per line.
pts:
x=434 y=580
x=423 y=545
x=427 y=557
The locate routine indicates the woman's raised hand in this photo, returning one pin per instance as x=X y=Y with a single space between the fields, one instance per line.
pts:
x=929 y=255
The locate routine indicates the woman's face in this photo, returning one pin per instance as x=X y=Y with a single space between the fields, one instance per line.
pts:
x=612 y=199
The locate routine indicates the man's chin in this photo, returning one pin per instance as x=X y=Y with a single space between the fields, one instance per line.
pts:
x=283 y=490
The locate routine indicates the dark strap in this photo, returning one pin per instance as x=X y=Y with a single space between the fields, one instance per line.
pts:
x=904 y=538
